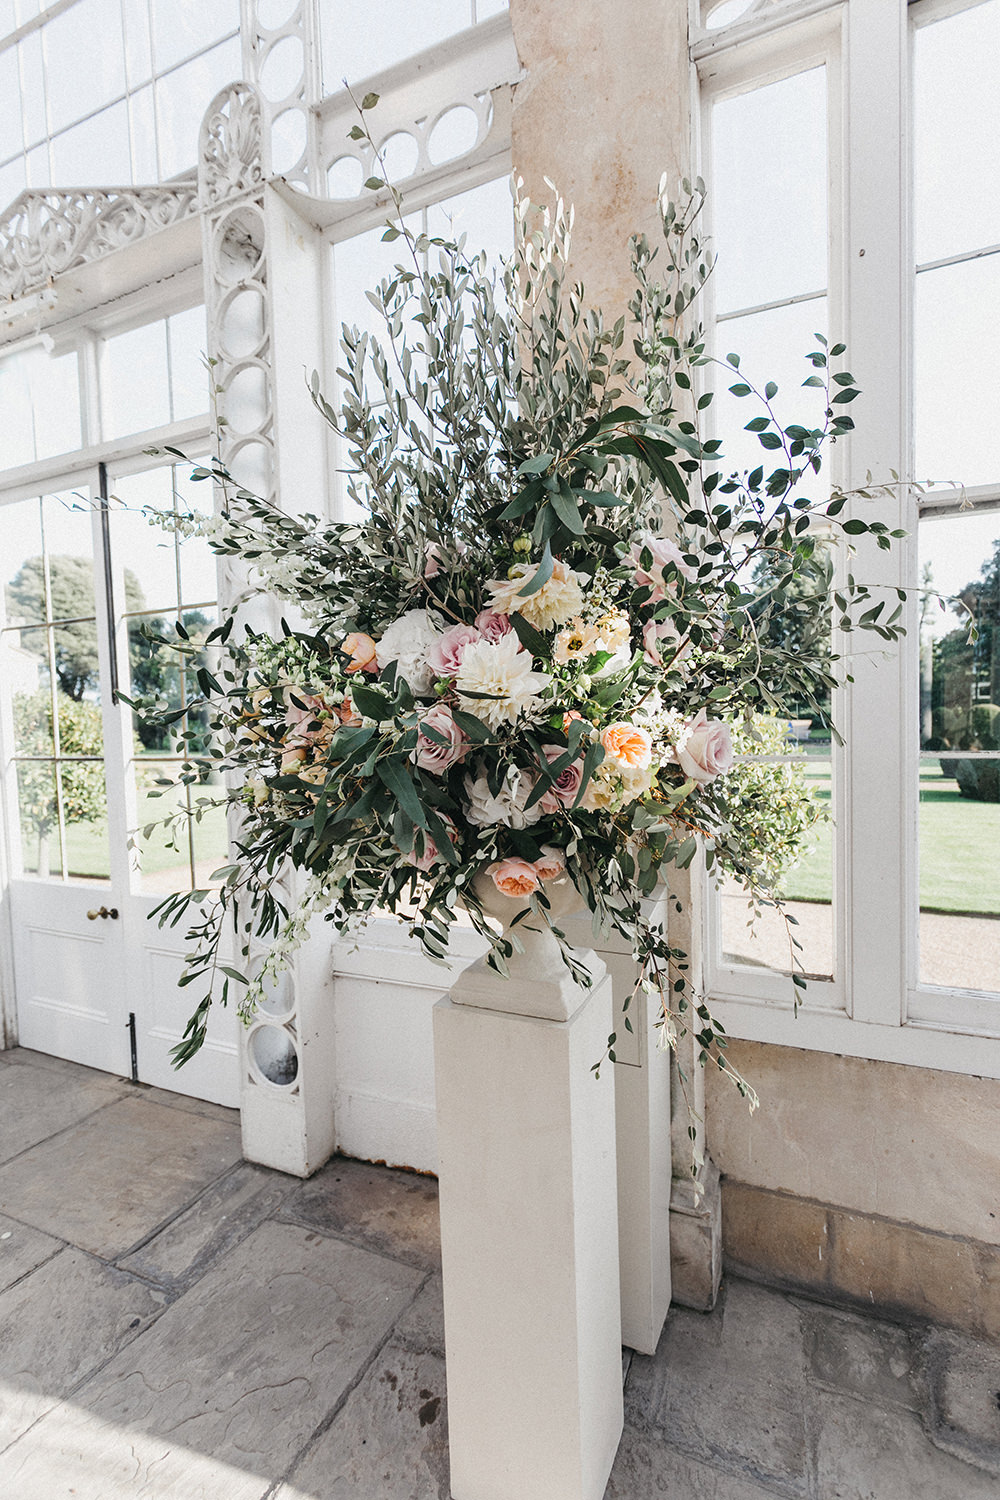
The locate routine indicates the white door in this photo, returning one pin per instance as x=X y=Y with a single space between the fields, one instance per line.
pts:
x=95 y=980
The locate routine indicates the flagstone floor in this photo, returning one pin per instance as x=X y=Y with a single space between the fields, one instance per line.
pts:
x=176 y=1324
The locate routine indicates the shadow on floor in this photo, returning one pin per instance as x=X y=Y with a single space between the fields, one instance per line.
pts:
x=176 y=1324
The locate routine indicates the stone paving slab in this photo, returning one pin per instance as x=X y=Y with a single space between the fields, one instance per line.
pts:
x=31 y=1109
x=392 y=1212
x=422 y=1325
x=222 y=1216
x=964 y=1398
x=872 y=1360
x=59 y=1324
x=869 y=1452
x=390 y=1442
x=649 y=1470
x=730 y=1386
x=230 y=1383
x=22 y=1249
x=107 y=1182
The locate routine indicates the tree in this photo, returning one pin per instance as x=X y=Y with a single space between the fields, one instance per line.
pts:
x=965 y=696
x=83 y=793
x=71 y=599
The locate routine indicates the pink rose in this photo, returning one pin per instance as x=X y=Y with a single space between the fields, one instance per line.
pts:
x=431 y=855
x=663 y=551
x=432 y=560
x=431 y=756
x=562 y=792
x=655 y=631
x=551 y=865
x=708 y=750
x=515 y=877
x=444 y=654
x=492 y=626
x=303 y=721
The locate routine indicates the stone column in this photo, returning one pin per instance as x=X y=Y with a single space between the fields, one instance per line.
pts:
x=604 y=109
x=529 y=1241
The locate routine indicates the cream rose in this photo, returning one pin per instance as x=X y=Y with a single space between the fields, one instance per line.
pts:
x=557 y=601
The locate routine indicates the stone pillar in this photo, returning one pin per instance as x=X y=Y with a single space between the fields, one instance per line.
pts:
x=529 y=1238
x=604 y=110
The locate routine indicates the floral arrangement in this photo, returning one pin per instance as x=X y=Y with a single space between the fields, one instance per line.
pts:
x=530 y=653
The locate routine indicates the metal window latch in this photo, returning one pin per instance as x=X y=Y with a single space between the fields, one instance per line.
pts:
x=103 y=911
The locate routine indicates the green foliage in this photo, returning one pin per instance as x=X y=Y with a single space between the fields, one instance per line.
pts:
x=505 y=455
x=773 y=813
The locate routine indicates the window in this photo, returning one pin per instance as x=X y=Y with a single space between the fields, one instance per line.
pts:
x=844 y=155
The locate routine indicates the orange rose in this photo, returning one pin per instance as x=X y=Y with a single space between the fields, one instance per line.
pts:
x=345 y=712
x=515 y=877
x=568 y=719
x=627 y=746
x=361 y=649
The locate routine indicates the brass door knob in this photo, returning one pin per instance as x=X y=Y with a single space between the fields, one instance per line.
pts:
x=103 y=911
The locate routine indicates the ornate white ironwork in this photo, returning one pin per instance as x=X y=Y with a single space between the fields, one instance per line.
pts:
x=283 y=62
x=49 y=231
x=231 y=150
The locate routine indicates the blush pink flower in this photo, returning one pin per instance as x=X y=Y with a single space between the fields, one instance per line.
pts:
x=562 y=792
x=302 y=718
x=432 y=854
x=655 y=631
x=515 y=877
x=663 y=551
x=361 y=649
x=444 y=655
x=492 y=626
x=432 y=560
x=431 y=756
x=707 y=749
x=551 y=865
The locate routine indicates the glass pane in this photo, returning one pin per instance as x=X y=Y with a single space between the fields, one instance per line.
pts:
x=32 y=71
x=956 y=148
x=182 y=27
x=188 y=341
x=39 y=819
x=146 y=552
x=138 y=57
x=31 y=701
x=142 y=125
x=805 y=881
x=24 y=591
x=95 y=151
x=10 y=104
x=485 y=214
x=199 y=566
x=13 y=181
x=356 y=43
x=769 y=184
x=85 y=807
x=167 y=856
x=771 y=345
x=182 y=98
x=359 y=265
x=135 y=388
x=40 y=402
x=91 y=30
x=956 y=381
x=960 y=763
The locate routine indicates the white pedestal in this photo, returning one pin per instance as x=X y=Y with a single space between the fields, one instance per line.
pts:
x=529 y=1241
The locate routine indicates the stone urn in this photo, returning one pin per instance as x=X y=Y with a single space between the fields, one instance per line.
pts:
x=540 y=984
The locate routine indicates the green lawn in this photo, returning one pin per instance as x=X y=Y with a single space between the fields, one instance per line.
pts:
x=87 y=843
x=959 y=849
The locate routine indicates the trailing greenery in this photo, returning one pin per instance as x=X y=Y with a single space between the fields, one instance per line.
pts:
x=526 y=655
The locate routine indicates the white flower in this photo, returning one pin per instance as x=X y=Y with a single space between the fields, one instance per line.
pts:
x=406 y=642
x=507 y=806
x=501 y=669
x=554 y=603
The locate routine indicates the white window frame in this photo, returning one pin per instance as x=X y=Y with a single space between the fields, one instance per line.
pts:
x=875 y=1007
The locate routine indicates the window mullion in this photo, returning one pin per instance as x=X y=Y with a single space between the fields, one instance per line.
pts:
x=878 y=820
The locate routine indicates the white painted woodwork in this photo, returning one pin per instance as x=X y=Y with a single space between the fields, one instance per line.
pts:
x=529 y=1239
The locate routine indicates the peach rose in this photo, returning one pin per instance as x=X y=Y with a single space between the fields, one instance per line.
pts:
x=361 y=649
x=627 y=746
x=551 y=864
x=345 y=712
x=515 y=877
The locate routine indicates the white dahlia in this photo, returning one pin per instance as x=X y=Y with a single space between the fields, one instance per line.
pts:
x=553 y=604
x=501 y=670
x=406 y=642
